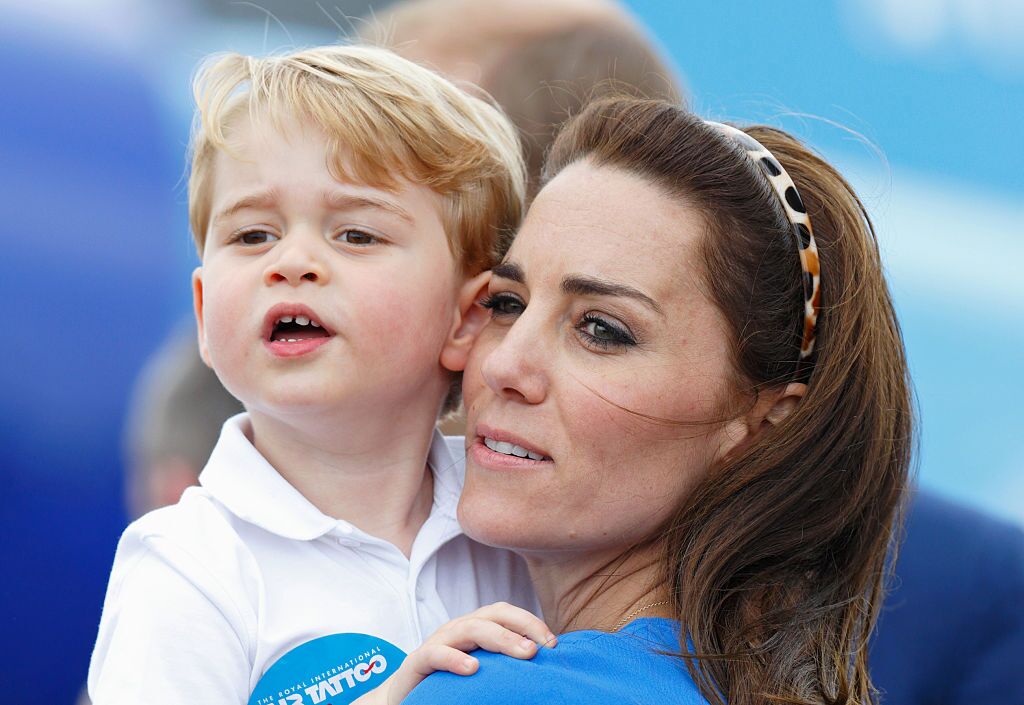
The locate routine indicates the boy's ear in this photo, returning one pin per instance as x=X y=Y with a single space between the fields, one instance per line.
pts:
x=197 y=305
x=470 y=319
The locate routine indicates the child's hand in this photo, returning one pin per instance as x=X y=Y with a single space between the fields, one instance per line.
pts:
x=501 y=628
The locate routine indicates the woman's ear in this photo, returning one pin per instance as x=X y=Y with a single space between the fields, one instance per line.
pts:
x=784 y=404
x=197 y=304
x=470 y=319
x=772 y=407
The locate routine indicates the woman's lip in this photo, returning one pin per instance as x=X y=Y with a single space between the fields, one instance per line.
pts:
x=483 y=456
x=497 y=434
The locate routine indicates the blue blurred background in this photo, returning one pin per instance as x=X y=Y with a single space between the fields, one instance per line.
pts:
x=96 y=250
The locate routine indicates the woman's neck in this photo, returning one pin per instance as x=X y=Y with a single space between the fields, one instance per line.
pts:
x=599 y=590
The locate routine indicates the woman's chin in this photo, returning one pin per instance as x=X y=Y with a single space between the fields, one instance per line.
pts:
x=502 y=525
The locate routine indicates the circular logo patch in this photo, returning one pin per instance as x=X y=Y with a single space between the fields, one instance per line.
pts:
x=330 y=670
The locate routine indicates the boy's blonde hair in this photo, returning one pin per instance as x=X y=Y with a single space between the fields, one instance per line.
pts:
x=385 y=117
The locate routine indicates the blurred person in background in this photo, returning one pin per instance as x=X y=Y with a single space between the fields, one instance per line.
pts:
x=541 y=60
x=176 y=414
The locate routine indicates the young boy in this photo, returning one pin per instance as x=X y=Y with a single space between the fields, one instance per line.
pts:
x=344 y=202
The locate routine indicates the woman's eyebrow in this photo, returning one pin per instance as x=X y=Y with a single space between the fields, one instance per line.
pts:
x=581 y=285
x=509 y=270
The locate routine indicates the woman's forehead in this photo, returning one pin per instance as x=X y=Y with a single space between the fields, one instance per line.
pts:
x=607 y=222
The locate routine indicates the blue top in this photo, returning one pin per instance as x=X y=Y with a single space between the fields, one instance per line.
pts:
x=586 y=668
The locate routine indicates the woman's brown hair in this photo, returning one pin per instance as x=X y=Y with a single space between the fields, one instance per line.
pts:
x=776 y=561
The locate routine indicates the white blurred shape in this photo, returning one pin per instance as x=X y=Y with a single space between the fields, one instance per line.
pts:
x=960 y=246
x=992 y=31
x=117 y=26
x=915 y=24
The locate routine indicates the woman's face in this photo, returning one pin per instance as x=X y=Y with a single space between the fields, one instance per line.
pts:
x=600 y=339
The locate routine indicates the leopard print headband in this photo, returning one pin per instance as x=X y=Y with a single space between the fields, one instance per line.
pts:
x=802 y=231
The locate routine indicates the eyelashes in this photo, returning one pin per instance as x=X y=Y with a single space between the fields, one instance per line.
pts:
x=355 y=237
x=255 y=236
x=604 y=333
x=595 y=329
x=503 y=304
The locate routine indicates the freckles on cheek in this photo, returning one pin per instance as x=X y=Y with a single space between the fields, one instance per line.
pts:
x=613 y=428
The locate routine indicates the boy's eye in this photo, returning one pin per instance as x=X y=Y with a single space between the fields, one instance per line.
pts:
x=256 y=237
x=357 y=237
x=503 y=304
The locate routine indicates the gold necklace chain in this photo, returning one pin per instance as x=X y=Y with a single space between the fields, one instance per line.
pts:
x=634 y=613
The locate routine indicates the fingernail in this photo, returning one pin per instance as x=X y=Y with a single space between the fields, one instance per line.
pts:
x=551 y=640
x=468 y=663
x=526 y=644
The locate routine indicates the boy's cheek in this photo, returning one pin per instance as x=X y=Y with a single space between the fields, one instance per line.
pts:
x=412 y=321
x=226 y=322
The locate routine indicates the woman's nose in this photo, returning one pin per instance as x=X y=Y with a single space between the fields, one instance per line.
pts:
x=298 y=260
x=516 y=367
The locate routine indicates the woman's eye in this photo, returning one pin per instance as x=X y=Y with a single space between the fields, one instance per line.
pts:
x=256 y=237
x=357 y=237
x=605 y=334
x=503 y=304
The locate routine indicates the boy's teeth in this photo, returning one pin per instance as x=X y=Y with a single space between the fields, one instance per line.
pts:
x=314 y=324
x=285 y=319
x=302 y=320
x=534 y=456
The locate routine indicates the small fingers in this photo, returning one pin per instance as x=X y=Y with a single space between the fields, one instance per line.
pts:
x=421 y=663
x=518 y=620
x=475 y=632
x=441 y=657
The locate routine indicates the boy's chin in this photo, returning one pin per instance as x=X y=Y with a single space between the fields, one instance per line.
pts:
x=302 y=400
x=312 y=402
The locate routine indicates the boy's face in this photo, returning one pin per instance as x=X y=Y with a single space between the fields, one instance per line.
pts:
x=318 y=295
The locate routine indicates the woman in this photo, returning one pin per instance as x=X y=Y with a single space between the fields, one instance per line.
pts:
x=697 y=440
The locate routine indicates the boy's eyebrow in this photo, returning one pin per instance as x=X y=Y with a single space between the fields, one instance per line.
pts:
x=261 y=199
x=582 y=285
x=339 y=200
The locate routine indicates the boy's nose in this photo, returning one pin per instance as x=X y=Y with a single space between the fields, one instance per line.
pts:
x=295 y=265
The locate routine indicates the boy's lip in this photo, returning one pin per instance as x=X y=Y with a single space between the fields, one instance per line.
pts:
x=282 y=310
x=496 y=434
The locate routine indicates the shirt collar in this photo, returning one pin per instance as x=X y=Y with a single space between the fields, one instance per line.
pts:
x=241 y=479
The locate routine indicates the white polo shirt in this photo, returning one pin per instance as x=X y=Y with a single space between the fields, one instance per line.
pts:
x=206 y=595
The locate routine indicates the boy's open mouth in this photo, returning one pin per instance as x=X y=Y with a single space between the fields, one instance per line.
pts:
x=293 y=329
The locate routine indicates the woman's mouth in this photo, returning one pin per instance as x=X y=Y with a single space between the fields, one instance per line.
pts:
x=502 y=450
x=506 y=448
